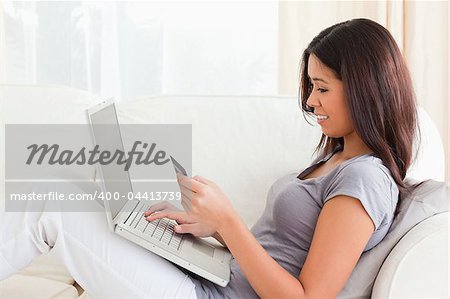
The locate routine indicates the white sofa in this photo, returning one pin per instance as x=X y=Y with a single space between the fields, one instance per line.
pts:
x=245 y=143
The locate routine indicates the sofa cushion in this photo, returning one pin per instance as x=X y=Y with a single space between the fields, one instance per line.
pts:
x=424 y=251
x=31 y=287
x=428 y=162
x=48 y=267
x=45 y=277
x=429 y=199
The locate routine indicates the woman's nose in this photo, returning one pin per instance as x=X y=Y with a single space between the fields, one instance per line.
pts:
x=312 y=101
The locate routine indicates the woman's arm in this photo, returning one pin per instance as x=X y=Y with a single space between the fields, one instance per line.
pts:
x=342 y=232
x=266 y=276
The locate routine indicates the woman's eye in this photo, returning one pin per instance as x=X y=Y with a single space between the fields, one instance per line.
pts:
x=311 y=88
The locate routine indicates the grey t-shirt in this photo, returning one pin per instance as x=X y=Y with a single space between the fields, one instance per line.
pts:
x=286 y=227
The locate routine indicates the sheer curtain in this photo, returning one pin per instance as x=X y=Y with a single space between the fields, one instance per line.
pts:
x=419 y=27
x=127 y=49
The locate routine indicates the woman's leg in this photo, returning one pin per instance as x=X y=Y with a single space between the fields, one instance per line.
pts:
x=103 y=263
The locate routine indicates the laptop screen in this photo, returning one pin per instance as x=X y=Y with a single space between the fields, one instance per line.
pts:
x=106 y=131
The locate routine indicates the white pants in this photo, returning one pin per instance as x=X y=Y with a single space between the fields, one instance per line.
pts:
x=104 y=264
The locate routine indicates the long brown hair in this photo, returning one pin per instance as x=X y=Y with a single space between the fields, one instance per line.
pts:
x=378 y=88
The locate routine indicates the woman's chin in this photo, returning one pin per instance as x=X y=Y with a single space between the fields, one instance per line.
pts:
x=328 y=134
x=331 y=135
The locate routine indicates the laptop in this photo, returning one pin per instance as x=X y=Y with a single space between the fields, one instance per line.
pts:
x=125 y=217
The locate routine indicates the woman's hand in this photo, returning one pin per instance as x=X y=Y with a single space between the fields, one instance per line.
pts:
x=162 y=207
x=168 y=210
x=209 y=210
x=185 y=223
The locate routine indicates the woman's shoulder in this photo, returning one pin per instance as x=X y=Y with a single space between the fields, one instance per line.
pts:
x=369 y=169
x=368 y=180
x=366 y=172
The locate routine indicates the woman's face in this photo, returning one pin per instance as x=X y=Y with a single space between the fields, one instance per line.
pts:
x=328 y=100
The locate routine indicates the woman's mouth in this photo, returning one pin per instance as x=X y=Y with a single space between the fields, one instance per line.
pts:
x=321 y=118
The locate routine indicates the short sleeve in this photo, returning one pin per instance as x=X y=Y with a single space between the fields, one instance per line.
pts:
x=367 y=182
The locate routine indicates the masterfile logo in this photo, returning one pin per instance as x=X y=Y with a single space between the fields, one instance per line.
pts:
x=46 y=152
x=51 y=155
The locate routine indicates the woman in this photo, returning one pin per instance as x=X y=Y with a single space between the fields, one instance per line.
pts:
x=315 y=226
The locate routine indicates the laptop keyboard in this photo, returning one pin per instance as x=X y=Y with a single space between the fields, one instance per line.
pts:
x=161 y=230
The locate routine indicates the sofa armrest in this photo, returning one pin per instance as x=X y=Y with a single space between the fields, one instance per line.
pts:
x=417 y=266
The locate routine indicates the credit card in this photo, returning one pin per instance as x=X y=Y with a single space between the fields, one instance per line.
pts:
x=178 y=167
x=185 y=202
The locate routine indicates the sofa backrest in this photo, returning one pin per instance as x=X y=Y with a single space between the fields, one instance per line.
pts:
x=41 y=104
x=244 y=143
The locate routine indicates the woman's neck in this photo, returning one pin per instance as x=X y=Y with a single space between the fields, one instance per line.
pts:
x=353 y=147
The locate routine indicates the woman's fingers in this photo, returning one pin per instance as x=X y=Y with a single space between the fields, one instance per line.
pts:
x=202 y=180
x=189 y=228
x=193 y=187
x=181 y=217
x=189 y=183
x=186 y=198
x=196 y=229
x=160 y=207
